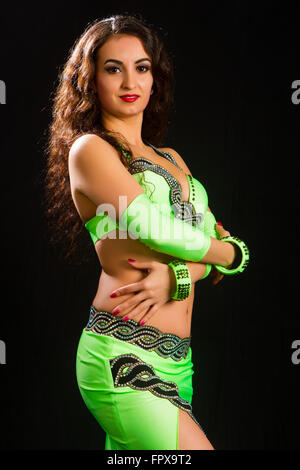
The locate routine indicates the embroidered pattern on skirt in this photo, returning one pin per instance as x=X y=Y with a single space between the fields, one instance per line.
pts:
x=146 y=337
x=129 y=370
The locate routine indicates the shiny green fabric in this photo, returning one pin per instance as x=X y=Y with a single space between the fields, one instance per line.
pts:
x=210 y=230
x=210 y=225
x=164 y=233
x=156 y=182
x=158 y=191
x=132 y=419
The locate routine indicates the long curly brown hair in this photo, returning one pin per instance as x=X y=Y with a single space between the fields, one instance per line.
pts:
x=76 y=111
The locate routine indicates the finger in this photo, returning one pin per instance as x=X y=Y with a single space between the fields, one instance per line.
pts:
x=128 y=289
x=144 y=305
x=141 y=265
x=125 y=307
x=149 y=314
x=212 y=272
x=217 y=278
x=219 y=227
x=138 y=317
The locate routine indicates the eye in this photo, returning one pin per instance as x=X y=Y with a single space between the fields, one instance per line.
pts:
x=112 y=69
x=145 y=67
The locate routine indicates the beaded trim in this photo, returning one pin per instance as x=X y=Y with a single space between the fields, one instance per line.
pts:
x=183 y=210
x=167 y=155
x=129 y=370
x=146 y=337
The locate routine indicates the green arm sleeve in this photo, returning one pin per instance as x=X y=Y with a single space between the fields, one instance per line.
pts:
x=209 y=229
x=163 y=232
x=209 y=225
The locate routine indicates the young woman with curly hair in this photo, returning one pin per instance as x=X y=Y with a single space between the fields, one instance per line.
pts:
x=108 y=171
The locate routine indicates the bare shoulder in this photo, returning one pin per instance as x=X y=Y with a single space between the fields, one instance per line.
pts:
x=91 y=155
x=178 y=159
x=87 y=142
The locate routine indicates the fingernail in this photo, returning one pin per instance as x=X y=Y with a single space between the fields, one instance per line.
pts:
x=113 y=294
x=142 y=322
x=131 y=260
x=220 y=223
x=114 y=312
x=125 y=319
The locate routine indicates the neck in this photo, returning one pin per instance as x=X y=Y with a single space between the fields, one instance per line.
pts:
x=129 y=126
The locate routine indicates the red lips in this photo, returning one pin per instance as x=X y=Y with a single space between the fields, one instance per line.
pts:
x=129 y=98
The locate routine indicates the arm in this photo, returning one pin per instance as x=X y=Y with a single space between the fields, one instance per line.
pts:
x=197 y=269
x=99 y=174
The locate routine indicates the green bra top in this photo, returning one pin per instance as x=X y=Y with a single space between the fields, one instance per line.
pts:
x=163 y=189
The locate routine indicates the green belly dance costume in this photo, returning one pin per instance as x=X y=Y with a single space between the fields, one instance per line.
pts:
x=134 y=378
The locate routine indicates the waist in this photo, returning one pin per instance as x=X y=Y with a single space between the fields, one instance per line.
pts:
x=172 y=317
x=146 y=337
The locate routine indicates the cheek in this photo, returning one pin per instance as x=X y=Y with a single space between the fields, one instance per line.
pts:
x=106 y=90
x=145 y=86
x=148 y=84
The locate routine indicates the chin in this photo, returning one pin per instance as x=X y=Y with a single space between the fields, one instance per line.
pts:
x=131 y=111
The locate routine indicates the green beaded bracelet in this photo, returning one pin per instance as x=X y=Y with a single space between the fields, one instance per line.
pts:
x=245 y=256
x=183 y=279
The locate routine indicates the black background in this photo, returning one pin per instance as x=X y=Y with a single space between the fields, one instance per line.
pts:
x=238 y=131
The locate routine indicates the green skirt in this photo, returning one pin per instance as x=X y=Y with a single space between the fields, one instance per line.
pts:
x=134 y=379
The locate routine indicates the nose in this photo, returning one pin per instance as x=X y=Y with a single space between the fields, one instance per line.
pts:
x=128 y=80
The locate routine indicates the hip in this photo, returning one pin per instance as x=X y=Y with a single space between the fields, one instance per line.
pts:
x=112 y=355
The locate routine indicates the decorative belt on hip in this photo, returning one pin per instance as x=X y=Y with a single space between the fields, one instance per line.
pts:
x=146 y=337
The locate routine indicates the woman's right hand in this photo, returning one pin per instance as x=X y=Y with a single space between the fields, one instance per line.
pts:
x=221 y=231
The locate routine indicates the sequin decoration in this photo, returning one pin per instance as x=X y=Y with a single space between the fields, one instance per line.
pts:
x=146 y=337
x=183 y=210
x=128 y=370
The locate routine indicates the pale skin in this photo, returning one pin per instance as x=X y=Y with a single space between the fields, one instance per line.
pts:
x=98 y=176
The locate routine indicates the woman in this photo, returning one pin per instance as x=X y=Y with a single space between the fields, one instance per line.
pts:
x=134 y=367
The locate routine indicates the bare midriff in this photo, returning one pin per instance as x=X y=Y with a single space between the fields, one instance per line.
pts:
x=113 y=253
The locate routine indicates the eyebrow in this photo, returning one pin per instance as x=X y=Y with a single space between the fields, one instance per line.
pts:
x=119 y=62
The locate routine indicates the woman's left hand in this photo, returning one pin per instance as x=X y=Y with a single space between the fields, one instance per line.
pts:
x=149 y=294
x=216 y=276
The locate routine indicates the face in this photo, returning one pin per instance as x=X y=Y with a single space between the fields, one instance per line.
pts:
x=123 y=68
